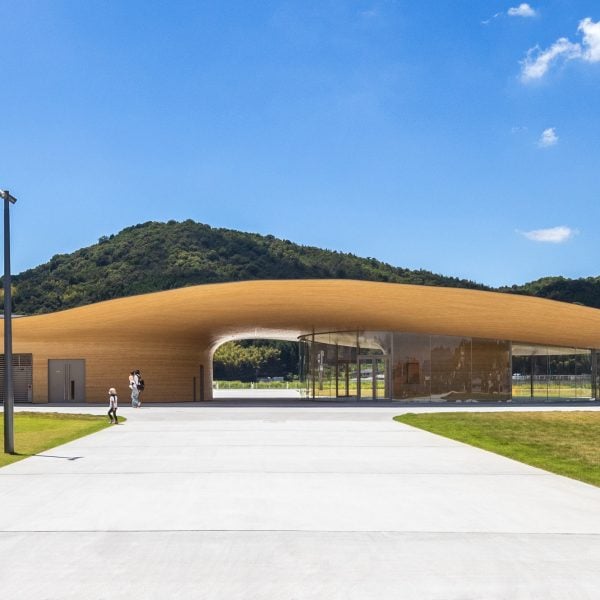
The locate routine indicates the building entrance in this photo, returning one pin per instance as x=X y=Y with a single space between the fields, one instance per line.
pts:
x=373 y=378
x=66 y=380
x=346 y=379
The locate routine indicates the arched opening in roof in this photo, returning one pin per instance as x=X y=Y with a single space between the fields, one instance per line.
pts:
x=258 y=365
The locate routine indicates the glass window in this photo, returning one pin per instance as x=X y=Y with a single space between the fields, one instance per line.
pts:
x=490 y=362
x=521 y=377
x=411 y=366
x=570 y=375
x=551 y=372
x=450 y=367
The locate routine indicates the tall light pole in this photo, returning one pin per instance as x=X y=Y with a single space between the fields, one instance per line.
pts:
x=9 y=399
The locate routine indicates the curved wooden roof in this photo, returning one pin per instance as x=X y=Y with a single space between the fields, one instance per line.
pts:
x=211 y=314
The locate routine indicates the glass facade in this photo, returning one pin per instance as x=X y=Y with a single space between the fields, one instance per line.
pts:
x=376 y=365
x=552 y=373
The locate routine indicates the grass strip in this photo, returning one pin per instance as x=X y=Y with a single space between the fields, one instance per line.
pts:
x=562 y=442
x=36 y=432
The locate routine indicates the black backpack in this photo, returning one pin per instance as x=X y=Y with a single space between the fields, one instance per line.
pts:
x=140 y=385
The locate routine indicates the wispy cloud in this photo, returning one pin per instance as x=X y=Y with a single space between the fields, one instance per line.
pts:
x=538 y=62
x=488 y=21
x=552 y=235
x=370 y=13
x=523 y=10
x=548 y=138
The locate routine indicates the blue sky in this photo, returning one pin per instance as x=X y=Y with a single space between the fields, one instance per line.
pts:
x=455 y=136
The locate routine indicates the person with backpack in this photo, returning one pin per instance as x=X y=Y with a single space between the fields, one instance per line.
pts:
x=139 y=383
x=135 y=395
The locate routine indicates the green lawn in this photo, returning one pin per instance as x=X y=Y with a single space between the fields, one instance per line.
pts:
x=36 y=432
x=563 y=442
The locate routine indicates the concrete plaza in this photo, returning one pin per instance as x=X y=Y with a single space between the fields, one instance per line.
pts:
x=289 y=502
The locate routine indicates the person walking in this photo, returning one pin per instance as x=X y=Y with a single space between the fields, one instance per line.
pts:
x=113 y=404
x=139 y=384
x=135 y=394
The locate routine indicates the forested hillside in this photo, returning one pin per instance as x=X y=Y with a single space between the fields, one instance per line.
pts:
x=584 y=291
x=158 y=256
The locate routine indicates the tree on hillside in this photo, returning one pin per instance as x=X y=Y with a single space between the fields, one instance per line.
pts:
x=153 y=256
x=232 y=361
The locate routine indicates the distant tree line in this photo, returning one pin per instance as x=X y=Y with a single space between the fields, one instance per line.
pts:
x=251 y=360
x=585 y=291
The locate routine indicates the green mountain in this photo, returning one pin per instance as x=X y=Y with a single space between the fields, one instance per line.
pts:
x=584 y=291
x=158 y=256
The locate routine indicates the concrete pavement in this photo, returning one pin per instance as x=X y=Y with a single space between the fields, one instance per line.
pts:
x=289 y=502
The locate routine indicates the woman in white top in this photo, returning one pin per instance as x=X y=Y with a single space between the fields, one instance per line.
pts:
x=135 y=395
x=113 y=404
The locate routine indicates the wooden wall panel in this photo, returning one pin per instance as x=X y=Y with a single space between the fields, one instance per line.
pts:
x=168 y=369
x=167 y=335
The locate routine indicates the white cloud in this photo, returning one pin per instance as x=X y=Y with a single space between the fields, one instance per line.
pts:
x=591 y=39
x=548 y=138
x=523 y=10
x=552 y=235
x=538 y=62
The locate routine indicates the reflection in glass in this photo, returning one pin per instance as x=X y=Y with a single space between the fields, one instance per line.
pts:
x=450 y=367
x=405 y=366
x=490 y=364
x=411 y=371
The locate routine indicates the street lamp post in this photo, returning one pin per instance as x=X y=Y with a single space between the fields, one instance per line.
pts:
x=9 y=434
